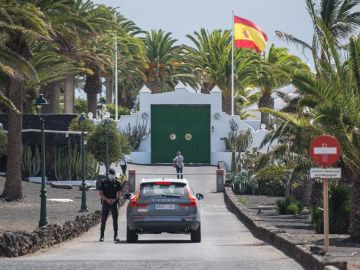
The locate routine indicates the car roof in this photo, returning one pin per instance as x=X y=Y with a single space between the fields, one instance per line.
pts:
x=173 y=180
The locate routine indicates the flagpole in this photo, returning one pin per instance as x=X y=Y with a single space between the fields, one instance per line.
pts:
x=232 y=66
x=116 y=75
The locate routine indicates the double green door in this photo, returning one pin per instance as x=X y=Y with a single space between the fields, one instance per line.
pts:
x=184 y=128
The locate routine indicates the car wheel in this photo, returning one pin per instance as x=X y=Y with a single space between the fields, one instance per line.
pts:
x=131 y=236
x=196 y=235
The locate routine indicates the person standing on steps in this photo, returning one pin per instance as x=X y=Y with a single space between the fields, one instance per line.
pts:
x=179 y=164
x=109 y=192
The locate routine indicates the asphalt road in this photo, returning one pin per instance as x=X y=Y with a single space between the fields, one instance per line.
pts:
x=226 y=242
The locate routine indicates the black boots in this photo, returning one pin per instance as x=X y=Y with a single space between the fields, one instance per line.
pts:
x=101 y=237
x=116 y=239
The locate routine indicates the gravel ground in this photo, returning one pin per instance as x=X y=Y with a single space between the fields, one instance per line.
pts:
x=24 y=215
x=300 y=231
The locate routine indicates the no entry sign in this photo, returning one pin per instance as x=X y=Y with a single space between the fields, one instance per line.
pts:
x=325 y=150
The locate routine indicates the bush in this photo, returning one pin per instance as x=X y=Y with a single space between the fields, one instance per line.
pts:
x=270 y=187
x=118 y=143
x=339 y=211
x=289 y=206
x=88 y=125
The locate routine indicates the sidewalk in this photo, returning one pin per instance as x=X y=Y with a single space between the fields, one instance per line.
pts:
x=261 y=213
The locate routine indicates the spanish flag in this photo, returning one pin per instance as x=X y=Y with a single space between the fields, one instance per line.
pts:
x=248 y=35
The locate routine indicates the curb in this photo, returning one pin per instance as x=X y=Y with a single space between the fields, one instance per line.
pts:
x=273 y=236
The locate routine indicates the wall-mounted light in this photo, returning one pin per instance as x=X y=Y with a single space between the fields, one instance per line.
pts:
x=212 y=129
x=217 y=116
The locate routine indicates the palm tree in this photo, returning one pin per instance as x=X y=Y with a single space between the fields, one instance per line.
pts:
x=165 y=63
x=340 y=17
x=211 y=62
x=278 y=66
x=329 y=104
x=22 y=22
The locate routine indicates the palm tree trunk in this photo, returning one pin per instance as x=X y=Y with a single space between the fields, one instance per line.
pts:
x=266 y=101
x=355 y=211
x=51 y=92
x=226 y=104
x=69 y=94
x=109 y=90
x=92 y=88
x=154 y=86
x=13 y=186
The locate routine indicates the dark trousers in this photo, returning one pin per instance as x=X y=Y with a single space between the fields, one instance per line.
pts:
x=123 y=168
x=179 y=171
x=104 y=215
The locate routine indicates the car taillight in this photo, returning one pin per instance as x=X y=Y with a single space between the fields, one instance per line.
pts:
x=134 y=202
x=193 y=200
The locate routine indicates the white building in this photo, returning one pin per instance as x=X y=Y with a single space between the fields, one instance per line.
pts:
x=185 y=120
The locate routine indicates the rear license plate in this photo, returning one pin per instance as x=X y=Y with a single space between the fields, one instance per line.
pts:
x=164 y=206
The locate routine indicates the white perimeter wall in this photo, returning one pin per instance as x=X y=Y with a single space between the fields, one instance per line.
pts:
x=181 y=96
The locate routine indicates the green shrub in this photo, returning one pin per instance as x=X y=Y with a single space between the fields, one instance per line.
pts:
x=88 y=125
x=118 y=143
x=339 y=211
x=289 y=206
x=121 y=110
x=270 y=187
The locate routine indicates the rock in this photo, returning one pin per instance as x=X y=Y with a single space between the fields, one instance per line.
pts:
x=62 y=186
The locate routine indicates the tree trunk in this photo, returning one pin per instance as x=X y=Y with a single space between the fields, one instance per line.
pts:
x=51 y=92
x=109 y=90
x=355 y=211
x=154 y=86
x=226 y=104
x=92 y=88
x=266 y=101
x=206 y=87
x=69 y=94
x=13 y=186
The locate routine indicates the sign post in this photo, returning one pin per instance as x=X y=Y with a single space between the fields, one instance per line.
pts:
x=325 y=150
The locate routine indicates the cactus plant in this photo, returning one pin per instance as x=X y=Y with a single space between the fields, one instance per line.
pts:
x=30 y=161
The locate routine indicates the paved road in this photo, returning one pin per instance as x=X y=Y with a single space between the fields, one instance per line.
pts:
x=226 y=243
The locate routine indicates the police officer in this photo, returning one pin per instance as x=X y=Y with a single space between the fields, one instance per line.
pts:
x=109 y=192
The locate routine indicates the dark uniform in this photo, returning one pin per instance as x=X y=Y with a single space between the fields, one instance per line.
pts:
x=109 y=190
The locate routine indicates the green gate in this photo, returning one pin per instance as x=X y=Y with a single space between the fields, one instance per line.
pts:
x=180 y=127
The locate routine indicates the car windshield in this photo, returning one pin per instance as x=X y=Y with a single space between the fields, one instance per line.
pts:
x=163 y=189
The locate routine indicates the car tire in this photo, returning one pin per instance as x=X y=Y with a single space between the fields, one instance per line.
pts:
x=131 y=236
x=196 y=235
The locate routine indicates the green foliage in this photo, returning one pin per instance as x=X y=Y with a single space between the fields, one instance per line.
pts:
x=243 y=183
x=80 y=105
x=30 y=165
x=3 y=143
x=121 y=110
x=118 y=143
x=88 y=125
x=270 y=187
x=339 y=211
x=289 y=206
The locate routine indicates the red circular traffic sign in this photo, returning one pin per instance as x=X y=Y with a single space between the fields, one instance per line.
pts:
x=325 y=150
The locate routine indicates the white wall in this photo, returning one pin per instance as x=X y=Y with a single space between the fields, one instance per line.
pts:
x=220 y=121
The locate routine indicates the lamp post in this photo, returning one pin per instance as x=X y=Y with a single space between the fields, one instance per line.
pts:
x=39 y=102
x=82 y=125
x=106 y=123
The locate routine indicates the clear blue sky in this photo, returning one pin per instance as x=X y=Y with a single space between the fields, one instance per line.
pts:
x=183 y=17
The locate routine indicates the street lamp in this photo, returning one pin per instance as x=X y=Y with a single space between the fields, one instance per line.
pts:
x=106 y=123
x=39 y=102
x=82 y=125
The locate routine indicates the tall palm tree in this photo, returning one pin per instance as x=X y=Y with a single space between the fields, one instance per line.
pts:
x=278 y=66
x=165 y=63
x=21 y=22
x=340 y=17
x=211 y=62
x=329 y=104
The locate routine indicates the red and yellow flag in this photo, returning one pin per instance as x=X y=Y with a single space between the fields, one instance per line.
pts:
x=248 y=35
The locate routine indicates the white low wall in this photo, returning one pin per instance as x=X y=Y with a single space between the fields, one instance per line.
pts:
x=221 y=156
x=140 y=157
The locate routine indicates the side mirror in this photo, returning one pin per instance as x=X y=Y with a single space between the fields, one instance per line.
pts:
x=199 y=196
x=127 y=196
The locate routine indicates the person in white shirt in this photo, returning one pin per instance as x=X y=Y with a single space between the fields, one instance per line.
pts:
x=123 y=163
x=179 y=164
